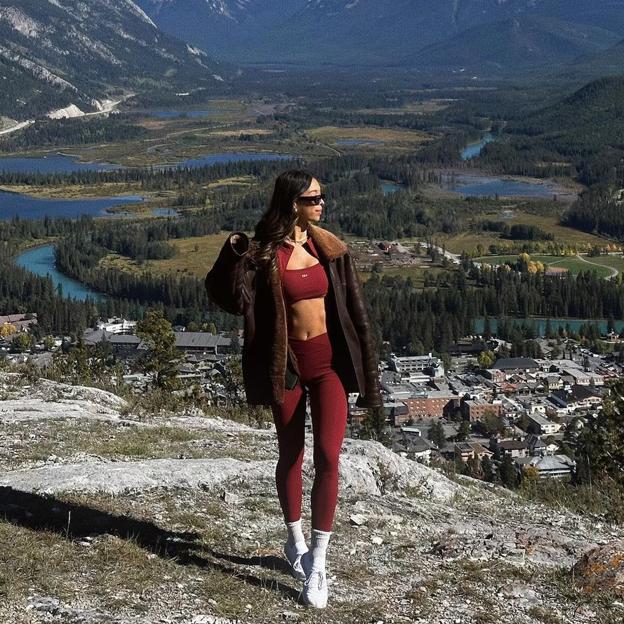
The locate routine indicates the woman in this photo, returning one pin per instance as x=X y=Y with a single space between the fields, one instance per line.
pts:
x=306 y=332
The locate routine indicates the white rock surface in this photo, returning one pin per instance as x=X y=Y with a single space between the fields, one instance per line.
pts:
x=66 y=113
x=409 y=544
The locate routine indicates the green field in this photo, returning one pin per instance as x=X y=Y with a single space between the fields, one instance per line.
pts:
x=604 y=266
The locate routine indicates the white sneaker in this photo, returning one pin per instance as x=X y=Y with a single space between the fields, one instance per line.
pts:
x=294 y=558
x=315 y=589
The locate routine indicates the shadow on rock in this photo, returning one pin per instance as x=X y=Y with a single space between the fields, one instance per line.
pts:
x=75 y=522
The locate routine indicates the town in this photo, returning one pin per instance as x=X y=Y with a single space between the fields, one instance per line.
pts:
x=469 y=408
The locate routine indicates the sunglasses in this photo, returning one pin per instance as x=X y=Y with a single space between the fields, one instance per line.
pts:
x=311 y=200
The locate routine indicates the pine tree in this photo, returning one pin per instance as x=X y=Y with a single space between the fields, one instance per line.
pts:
x=162 y=357
x=374 y=425
x=508 y=474
x=600 y=446
x=436 y=434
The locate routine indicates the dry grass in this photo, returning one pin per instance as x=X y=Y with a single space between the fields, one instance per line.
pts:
x=114 y=441
x=414 y=108
x=195 y=257
x=330 y=134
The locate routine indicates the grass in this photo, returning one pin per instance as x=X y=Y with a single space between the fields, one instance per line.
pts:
x=563 y=234
x=197 y=254
x=573 y=264
x=416 y=108
x=113 y=441
x=614 y=262
x=468 y=241
x=331 y=134
x=195 y=257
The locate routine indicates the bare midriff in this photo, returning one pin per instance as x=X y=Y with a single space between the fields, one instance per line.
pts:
x=306 y=318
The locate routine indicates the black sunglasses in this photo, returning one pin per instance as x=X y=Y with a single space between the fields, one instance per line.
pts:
x=311 y=200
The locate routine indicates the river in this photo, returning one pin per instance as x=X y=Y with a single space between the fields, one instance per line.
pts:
x=65 y=163
x=29 y=207
x=472 y=150
x=539 y=324
x=481 y=185
x=41 y=261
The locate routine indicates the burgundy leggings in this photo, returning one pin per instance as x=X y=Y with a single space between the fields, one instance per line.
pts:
x=328 y=404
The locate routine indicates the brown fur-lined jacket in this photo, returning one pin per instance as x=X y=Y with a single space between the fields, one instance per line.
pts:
x=237 y=285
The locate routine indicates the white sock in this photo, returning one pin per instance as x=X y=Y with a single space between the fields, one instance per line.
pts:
x=320 y=541
x=296 y=537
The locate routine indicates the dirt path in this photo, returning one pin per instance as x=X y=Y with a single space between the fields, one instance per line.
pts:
x=614 y=272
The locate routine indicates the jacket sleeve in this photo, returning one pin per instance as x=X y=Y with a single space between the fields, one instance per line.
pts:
x=356 y=306
x=229 y=282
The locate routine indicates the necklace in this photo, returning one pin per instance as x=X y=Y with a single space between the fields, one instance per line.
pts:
x=298 y=241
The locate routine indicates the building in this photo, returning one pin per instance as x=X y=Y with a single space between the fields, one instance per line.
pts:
x=117 y=326
x=535 y=444
x=516 y=365
x=479 y=409
x=202 y=342
x=397 y=413
x=555 y=466
x=417 y=368
x=514 y=448
x=541 y=425
x=577 y=398
x=470 y=450
x=189 y=342
x=583 y=378
x=21 y=322
x=434 y=403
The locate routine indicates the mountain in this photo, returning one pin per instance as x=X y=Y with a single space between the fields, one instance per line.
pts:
x=515 y=44
x=392 y=32
x=602 y=63
x=75 y=52
x=596 y=110
x=224 y=28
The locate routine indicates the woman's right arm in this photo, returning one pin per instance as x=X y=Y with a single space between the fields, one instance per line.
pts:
x=228 y=283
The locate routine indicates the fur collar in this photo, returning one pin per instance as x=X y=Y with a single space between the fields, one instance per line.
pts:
x=327 y=244
x=329 y=247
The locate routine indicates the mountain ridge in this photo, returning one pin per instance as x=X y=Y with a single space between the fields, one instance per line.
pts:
x=380 y=32
x=78 y=53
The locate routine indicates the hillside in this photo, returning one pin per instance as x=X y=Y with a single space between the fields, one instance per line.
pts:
x=604 y=62
x=224 y=28
x=76 y=52
x=112 y=516
x=515 y=44
x=593 y=115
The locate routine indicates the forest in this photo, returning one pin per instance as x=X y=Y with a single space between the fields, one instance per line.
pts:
x=63 y=132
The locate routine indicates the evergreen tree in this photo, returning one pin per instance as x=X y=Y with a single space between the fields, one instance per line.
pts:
x=508 y=475
x=374 y=425
x=435 y=433
x=162 y=357
x=488 y=469
x=464 y=431
x=600 y=446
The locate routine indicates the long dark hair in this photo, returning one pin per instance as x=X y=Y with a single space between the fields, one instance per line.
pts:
x=279 y=219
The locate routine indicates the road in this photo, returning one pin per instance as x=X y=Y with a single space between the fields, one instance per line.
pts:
x=106 y=109
x=614 y=272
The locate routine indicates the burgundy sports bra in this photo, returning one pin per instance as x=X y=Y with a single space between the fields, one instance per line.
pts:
x=304 y=283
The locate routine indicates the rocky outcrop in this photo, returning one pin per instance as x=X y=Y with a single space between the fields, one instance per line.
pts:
x=602 y=569
x=409 y=544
